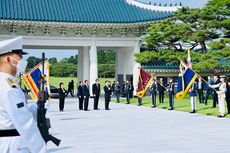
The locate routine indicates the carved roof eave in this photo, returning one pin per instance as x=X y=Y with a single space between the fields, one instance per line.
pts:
x=41 y=23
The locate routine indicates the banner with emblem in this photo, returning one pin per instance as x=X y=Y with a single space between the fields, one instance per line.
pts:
x=31 y=80
x=185 y=80
x=144 y=81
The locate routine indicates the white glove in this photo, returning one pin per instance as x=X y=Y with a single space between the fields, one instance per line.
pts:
x=47 y=105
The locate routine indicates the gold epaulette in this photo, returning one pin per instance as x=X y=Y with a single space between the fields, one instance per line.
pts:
x=12 y=83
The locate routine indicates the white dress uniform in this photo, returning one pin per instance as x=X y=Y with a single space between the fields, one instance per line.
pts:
x=18 y=129
x=221 y=97
x=15 y=114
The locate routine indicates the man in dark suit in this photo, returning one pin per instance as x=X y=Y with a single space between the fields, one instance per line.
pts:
x=214 y=94
x=200 y=90
x=62 y=94
x=171 y=89
x=228 y=94
x=70 y=88
x=128 y=90
x=208 y=90
x=117 y=91
x=86 y=95
x=80 y=95
x=96 y=93
x=161 y=90
x=108 y=91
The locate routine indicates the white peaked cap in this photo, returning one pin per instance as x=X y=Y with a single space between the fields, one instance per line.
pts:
x=12 y=45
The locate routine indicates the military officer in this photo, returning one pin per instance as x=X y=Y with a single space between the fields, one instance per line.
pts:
x=18 y=130
x=193 y=95
x=154 y=93
x=171 y=89
x=221 y=95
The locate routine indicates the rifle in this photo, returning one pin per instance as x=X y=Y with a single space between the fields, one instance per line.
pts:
x=43 y=122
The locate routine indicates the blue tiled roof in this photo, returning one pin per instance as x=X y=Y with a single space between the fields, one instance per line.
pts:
x=159 y=65
x=80 y=11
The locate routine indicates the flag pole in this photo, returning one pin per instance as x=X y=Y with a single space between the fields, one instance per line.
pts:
x=161 y=84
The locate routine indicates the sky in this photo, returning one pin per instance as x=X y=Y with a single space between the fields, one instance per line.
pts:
x=59 y=54
x=189 y=3
x=49 y=53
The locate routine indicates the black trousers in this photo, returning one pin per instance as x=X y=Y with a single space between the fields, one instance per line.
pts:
x=201 y=95
x=161 y=97
x=228 y=103
x=81 y=102
x=69 y=91
x=86 y=103
x=61 y=103
x=215 y=99
x=128 y=97
x=171 y=100
x=154 y=99
x=107 y=100
x=96 y=99
x=208 y=93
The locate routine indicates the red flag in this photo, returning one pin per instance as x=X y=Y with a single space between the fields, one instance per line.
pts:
x=144 y=80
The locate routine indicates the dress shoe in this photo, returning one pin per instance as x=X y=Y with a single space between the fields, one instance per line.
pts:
x=220 y=116
x=107 y=109
x=193 y=111
x=153 y=106
x=86 y=109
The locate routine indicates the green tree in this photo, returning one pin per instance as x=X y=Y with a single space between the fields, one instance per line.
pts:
x=166 y=40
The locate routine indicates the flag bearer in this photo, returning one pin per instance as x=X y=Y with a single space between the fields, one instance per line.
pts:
x=193 y=95
x=154 y=93
x=171 y=86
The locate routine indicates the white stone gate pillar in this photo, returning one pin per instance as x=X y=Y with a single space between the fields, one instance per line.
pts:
x=83 y=64
x=93 y=65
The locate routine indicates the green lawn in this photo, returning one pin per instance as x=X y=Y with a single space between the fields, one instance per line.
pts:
x=180 y=105
x=54 y=81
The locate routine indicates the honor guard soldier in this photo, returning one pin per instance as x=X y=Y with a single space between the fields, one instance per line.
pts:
x=221 y=94
x=193 y=95
x=154 y=93
x=171 y=89
x=18 y=129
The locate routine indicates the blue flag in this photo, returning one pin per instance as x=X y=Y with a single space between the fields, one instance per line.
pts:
x=185 y=80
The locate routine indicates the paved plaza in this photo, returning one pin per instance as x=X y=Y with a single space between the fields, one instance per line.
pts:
x=135 y=129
